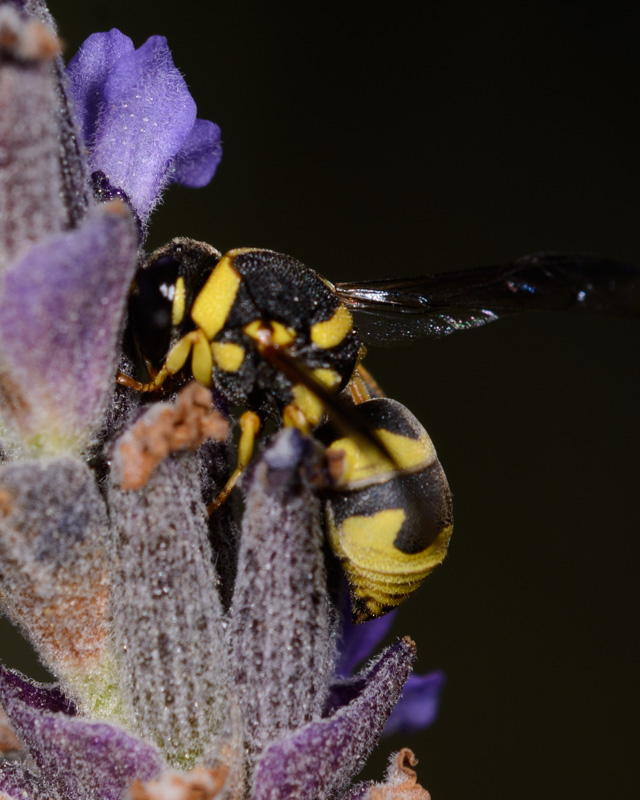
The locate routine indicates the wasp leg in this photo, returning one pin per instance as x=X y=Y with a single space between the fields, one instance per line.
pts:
x=195 y=343
x=138 y=386
x=249 y=429
x=363 y=386
x=294 y=417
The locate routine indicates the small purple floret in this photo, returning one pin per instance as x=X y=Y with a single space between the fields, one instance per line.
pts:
x=139 y=119
x=88 y=73
x=197 y=161
x=419 y=705
x=359 y=641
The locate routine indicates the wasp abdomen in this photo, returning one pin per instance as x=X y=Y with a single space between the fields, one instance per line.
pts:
x=388 y=521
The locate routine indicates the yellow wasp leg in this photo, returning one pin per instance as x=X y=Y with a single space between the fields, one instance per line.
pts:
x=293 y=417
x=363 y=386
x=175 y=361
x=249 y=429
x=358 y=390
x=138 y=386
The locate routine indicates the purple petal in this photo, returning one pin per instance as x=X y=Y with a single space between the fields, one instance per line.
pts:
x=146 y=117
x=318 y=760
x=418 y=707
x=357 y=642
x=63 y=311
x=74 y=755
x=39 y=696
x=88 y=71
x=341 y=693
x=17 y=783
x=198 y=159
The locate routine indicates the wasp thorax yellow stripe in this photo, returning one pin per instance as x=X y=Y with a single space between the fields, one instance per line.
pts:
x=331 y=332
x=211 y=307
x=228 y=356
x=253 y=328
x=282 y=336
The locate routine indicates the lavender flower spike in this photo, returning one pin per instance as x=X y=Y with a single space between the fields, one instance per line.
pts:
x=139 y=120
x=194 y=647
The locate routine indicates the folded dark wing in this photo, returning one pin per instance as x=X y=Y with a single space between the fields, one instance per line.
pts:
x=400 y=310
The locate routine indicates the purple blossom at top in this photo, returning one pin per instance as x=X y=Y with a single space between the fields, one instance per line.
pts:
x=139 y=120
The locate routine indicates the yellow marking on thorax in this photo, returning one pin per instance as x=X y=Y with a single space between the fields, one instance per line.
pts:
x=282 y=335
x=228 y=356
x=253 y=328
x=364 y=464
x=179 y=302
x=214 y=301
x=332 y=331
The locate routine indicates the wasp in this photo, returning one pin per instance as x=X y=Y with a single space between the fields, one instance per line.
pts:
x=273 y=336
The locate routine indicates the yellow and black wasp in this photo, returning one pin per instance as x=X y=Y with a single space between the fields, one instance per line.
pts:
x=273 y=336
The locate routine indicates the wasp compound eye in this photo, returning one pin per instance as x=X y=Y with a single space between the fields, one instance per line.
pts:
x=151 y=307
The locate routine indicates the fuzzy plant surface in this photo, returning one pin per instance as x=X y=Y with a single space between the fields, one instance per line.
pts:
x=196 y=656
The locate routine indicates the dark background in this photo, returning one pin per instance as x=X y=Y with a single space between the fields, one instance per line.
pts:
x=373 y=144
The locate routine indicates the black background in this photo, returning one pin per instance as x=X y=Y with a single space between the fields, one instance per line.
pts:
x=420 y=139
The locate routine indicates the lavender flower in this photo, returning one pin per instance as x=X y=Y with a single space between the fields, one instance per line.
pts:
x=420 y=701
x=139 y=120
x=195 y=656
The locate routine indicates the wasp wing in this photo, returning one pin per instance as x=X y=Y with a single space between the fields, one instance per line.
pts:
x=400 y=310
